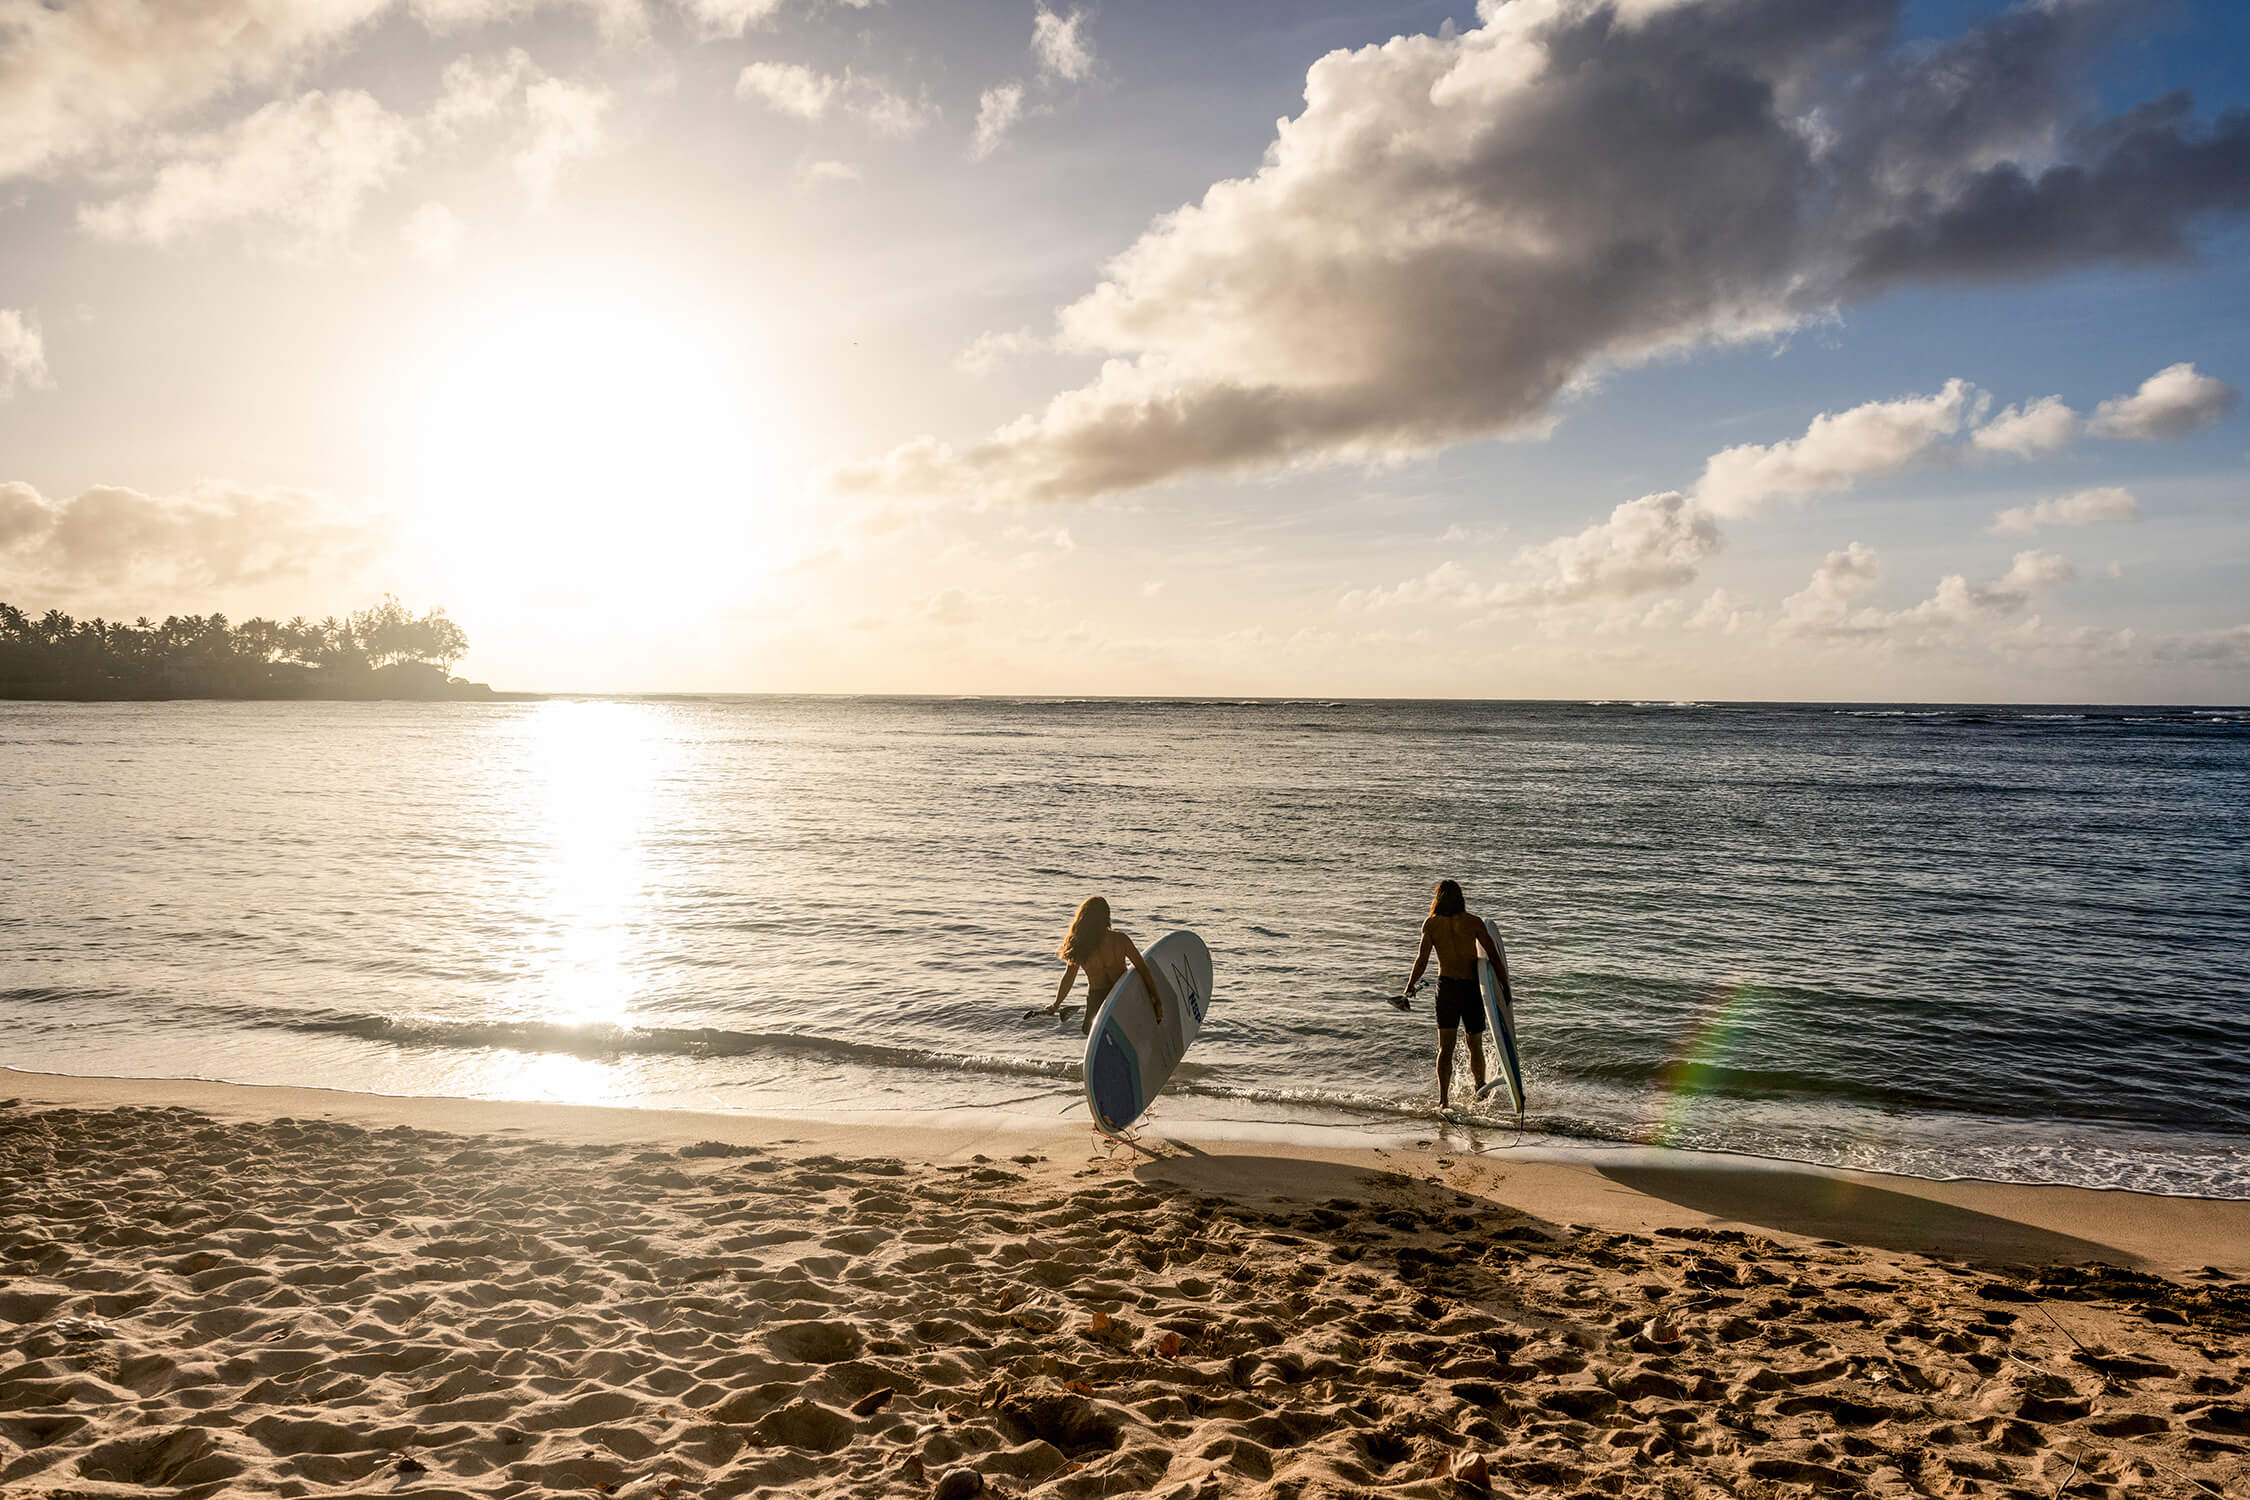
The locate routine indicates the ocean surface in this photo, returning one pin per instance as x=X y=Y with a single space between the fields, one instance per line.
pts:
x=2008 y=943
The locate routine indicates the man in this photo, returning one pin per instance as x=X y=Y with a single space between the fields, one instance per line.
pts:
x=1455 y=933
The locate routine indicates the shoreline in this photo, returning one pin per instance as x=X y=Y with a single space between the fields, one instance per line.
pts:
x=1619 y=1187
x=218 y=1289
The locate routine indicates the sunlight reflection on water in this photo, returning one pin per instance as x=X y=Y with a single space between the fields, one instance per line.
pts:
x=594 y=769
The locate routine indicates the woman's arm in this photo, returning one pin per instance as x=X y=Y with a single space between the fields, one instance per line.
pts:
x=1148 y=976
x=1062 y=991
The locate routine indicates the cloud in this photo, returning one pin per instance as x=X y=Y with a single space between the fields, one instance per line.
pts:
x=213 y=536
x=77 y=81
x=1724 y=612
x=294 y=172
x=432 y=234
x=731 y=18
x=1060 y=45
x=1824 y=607
x=988 y=351
x=1457 y=229
x=817 y=172
x=950 y=606
x=564 y=124
x=471 y=93
x=788 y=88
x=2028 y=574
x=2085 y=508
x=808 y=94
x=1447 y=583
x=2172 y=403
x=2037 y=429
x=23 y=354
x=1655 y=542
x=1838 y=448
x=998 y=109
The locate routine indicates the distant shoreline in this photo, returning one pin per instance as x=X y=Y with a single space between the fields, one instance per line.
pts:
x=457 y=690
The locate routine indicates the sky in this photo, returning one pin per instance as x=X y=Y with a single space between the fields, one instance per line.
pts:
x=1645 y=349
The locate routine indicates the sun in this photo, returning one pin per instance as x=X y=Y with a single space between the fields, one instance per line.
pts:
x=574 y=449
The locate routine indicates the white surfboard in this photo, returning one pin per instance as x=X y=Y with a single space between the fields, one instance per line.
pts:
x=1130 y=1055
x=1500 y=1022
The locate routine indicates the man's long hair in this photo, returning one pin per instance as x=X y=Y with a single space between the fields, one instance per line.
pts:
x=1448 y=902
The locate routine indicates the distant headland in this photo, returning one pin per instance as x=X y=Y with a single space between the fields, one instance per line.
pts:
x=379 y=653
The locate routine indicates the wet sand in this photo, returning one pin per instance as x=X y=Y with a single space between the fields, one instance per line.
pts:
x=211 y=1290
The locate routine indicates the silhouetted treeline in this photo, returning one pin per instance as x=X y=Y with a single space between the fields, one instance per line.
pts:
x=384 y=652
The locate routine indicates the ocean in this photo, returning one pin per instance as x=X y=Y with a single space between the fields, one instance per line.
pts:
x=2001 y=942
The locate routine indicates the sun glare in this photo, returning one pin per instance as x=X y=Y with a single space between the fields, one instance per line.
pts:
x=575 y=451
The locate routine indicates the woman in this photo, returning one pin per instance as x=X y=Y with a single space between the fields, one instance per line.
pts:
x=1456 y=933
x=1103 y=952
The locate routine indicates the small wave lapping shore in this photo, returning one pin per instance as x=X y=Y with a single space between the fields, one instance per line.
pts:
x=217 y=1290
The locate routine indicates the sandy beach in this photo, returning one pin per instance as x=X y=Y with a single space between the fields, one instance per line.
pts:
x=213 y=1290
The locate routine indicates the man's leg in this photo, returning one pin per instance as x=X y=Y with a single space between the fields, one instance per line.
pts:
x=1444 y=1066
x=1476 y=1059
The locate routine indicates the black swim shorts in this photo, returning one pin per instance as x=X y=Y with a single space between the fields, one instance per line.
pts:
x=1460 y=1002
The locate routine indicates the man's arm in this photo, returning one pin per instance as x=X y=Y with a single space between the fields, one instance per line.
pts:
x=1421 y=959
x=1062 y=991
x=1499 y=966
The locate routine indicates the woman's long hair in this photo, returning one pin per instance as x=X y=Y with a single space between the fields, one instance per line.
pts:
x=1087 y=931
x=1448 y=902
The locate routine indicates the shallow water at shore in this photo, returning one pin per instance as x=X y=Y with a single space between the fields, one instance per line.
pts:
x=1999 y=942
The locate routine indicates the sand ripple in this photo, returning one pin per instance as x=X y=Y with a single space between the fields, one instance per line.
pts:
x=302 y=1307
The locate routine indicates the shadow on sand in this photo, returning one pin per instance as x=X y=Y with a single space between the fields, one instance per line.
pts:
x=1858 y=1213
x=1344 y=1205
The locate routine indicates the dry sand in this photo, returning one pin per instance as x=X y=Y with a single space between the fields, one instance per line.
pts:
x=208 y=1290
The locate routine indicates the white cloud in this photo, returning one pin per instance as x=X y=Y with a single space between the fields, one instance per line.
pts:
x=213 y=535
x=950 y=606
x=1838 y=448
x=716 y=18
x=79 y=80
x=564 y=124
x=2038 y=428
x=432 y=234
x=2172 y=403
x=1459 y=228
x=2085 y=508
x=623 y=21
x=23 y=353
x=817 y=172
x=1655 y=542
x=808 y=94
x=295 y=173
x=789 y=88
x=1824 y=607
x=885 y=111
x=1060 y=44
x=1448 y=583
x=998 y=109
x=1724 y=612
x=470 y=93
x=988 y=351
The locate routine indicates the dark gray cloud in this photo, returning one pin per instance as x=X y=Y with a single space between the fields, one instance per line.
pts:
x=1458 y=228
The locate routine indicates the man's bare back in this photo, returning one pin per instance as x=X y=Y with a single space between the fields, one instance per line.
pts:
x=1454 y=939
